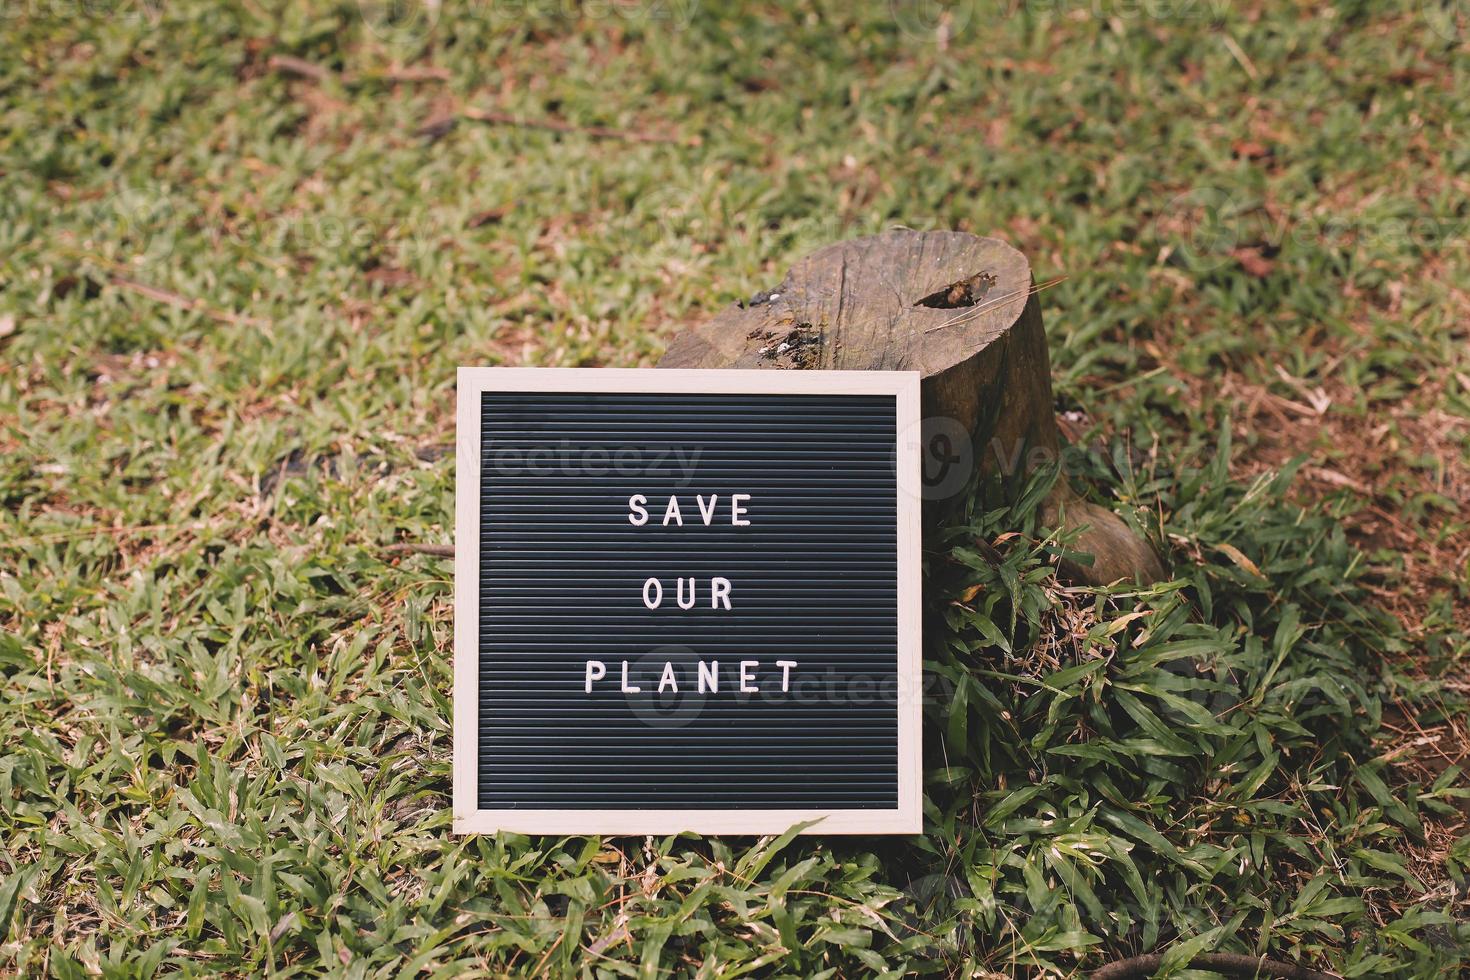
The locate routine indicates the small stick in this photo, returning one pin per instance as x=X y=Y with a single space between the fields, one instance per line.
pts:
x=291 y=65
x=558 y=126
x=288 y=64
x=437 y=550
x=996 y=301
x=84 y=532
x=184 y=302
x=1231 y=963
x=416 y=73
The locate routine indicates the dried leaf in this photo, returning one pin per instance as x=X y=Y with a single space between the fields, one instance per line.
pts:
x=1253 y=262
x=1237 y=556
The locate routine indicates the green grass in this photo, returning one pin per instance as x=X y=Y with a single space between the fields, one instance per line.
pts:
x=231 y=302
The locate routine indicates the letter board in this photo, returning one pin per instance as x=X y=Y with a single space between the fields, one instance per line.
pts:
x=686 y=600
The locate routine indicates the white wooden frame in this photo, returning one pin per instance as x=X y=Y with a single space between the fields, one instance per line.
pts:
x=906 y=818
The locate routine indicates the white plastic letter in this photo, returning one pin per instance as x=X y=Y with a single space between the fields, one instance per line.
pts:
x=709 y=674
x=637 y=513
x=667 y=679
x=708 y=515
x=736 y=510
x=719 y=589
x=785 y=666
x=690 y=603
x=596 y=671
x=628 y=688
x=658 y=593
x=747 y=680
x=671 y=512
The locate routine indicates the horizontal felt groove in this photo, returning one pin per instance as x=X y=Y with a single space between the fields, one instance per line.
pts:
x=698 y=741
x=616 y=512
x=795 y=548
x=729 y=797
x=856 y=628
x=743 y=804
x=616 y=519
x=813 y=672
x=838 y=483
x=850 y=562
x=501 y=612
x=743 y=400
x=509 y=637
x=862 y=425
x=744 y=796
x=814 y=665
x=509 y=767
x=575 y=592
x=571 y=440
x=775 y=540
x=535 y=649
x=768 y=703
x=663 y=621
x=616 y=581
x=511 y=500
x=709 y=705
x=647 y=730
x=676 y=411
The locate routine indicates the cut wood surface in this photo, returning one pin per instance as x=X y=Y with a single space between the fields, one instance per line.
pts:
x=961 y=310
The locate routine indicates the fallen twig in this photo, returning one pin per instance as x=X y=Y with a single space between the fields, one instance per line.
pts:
x=437 y=550
x=1231 y=963
x=994 y=302
x=416 y=73
x=558 y=126
x=184 y=302
x=291 y=65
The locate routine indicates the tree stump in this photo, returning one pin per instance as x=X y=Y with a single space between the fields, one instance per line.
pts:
x=961 y=311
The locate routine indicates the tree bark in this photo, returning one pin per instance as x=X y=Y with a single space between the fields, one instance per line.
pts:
x=960 y=310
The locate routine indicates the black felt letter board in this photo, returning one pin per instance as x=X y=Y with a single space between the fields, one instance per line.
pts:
x=687 y=607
